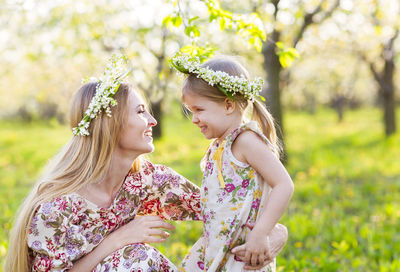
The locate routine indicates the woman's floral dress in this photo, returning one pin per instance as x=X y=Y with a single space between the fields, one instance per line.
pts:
x=69 y=227
x=231 y=194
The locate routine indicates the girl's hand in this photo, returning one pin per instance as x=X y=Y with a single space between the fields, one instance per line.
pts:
x=277 y=239
x=240 y=254
x=257 y=248
x=142 y=229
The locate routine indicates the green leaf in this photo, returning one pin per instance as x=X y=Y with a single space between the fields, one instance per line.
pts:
x=258 y=44
x=167 y=21
x=193 y=19
x=187 y=49
x=293 y=53
x=284 y=60
x=222 y=23
x=196 y=31
x=192 y=30
x=177 y=21
x=188 y=30
x=177 y=67
x=213 y=16
x=228 y=94
x=280 y=45
x=286 y=55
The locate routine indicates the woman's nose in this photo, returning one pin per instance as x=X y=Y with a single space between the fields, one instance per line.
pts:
x=152 y=121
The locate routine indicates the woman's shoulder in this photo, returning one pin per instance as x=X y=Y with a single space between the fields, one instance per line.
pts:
x=61 y=207
x=59 y=214
x=57 y=204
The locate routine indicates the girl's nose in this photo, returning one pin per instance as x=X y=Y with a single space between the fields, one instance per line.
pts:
x=195 y=119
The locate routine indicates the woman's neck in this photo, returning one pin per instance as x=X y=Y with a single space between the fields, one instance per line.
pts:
x=103 y=193
x=120 y=165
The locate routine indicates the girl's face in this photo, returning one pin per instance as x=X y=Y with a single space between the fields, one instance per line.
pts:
x=137 y=133
x=210 y=116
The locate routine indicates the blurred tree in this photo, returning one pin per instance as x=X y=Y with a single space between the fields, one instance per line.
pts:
x=384 y=75
x=384 y=79
x=154 y=76
x=374 y=41
x=80 y=35
x=286 y=23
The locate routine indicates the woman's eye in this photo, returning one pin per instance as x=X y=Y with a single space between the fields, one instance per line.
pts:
x=141 y=111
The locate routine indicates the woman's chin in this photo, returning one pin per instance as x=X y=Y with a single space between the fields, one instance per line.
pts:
x=150 y=148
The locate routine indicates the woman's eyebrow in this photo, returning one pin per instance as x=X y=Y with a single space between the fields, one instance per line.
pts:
x=141 y=106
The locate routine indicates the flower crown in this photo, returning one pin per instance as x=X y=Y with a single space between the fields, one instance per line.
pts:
x=106 y=87
x=229 y=85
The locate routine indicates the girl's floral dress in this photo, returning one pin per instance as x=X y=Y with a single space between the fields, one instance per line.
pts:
x=69 y=227
x=231 y=194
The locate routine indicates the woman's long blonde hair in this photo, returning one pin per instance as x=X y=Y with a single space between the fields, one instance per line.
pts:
x=83 y=160
x=259 y=112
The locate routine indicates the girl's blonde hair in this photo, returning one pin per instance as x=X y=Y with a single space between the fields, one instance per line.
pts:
x=259 y=112
x=83 y=160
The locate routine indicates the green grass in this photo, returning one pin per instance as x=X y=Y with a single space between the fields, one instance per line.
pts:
x=345 y=212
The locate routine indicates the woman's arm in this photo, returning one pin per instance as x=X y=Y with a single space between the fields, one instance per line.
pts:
x=170 y=195
x=143 y=229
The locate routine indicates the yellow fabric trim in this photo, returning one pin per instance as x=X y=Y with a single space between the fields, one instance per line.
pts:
x=218 y=158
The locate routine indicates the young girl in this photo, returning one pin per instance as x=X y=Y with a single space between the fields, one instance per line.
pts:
x=243 y=179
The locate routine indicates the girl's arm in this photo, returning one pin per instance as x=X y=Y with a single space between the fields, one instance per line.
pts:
x=142 y=229
x=251 y=149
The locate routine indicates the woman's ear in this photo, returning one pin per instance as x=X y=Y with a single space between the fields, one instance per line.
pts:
x=230 y=105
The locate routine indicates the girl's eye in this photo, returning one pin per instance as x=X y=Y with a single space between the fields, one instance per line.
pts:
x=141 y=111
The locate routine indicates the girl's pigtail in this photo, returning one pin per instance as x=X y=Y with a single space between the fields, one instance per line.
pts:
x=266 y=122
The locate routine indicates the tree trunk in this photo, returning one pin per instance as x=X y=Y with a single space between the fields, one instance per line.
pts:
x=388 y=99
x=272 y=93
x=389 y=113
x=157 y=113
x=387 y=89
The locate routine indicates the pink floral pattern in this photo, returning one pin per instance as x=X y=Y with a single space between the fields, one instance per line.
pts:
x=226 y=211
x=69 y=227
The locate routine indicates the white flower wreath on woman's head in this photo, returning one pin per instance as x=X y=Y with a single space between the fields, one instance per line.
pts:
x=106 y=87
x=229 y=85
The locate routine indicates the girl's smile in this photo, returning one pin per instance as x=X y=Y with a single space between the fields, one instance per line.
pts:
x=214 y=119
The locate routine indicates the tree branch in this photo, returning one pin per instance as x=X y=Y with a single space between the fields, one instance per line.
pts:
x=309 y=19
x=372 y=68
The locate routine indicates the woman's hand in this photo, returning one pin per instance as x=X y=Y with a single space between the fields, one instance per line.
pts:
x=142 y=229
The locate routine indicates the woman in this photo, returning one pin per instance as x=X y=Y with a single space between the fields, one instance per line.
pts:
x=82 y=215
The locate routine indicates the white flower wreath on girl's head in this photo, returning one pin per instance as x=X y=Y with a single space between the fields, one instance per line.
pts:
x=106 y=87
x=229 y=85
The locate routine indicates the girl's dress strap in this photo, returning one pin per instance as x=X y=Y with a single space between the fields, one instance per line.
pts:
x=253 y=126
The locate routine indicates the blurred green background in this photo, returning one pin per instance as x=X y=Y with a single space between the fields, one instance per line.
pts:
x=337 y=105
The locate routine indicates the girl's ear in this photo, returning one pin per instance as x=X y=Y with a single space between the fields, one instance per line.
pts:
x=230 y=105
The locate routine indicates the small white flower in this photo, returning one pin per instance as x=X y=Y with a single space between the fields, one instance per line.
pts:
x=105 y=89
x=232 y=84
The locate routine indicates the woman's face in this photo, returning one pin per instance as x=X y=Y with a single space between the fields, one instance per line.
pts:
x=137 y=133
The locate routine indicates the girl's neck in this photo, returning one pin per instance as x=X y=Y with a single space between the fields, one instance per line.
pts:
x=234 y=124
